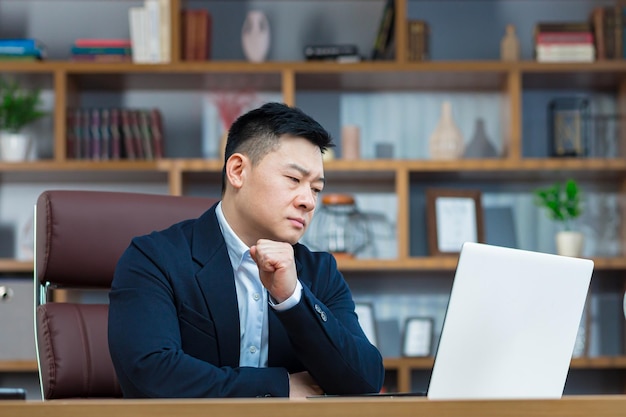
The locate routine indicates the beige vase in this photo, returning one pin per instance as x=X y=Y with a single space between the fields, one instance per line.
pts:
x=569 y=243
x=446 y=141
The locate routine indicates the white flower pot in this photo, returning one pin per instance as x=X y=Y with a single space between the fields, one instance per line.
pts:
x=14 y=147
x=569 y=243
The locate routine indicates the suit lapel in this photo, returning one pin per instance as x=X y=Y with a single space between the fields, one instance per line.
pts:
x=217 y=283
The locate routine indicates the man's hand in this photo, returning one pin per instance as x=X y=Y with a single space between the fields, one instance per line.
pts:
x=277 y=267
x=302 y=385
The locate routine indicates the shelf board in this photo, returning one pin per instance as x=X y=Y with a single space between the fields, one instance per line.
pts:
x=426 y=363
x=18 y=366
x=427 y=263
x=15 y=266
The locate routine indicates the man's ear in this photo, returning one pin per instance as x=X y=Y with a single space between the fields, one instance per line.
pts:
x=235 y=169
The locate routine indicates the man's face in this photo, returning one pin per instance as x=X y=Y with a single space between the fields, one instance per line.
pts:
x=280 y=192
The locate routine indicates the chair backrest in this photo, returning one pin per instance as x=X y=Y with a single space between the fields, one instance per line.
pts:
x=79 y=237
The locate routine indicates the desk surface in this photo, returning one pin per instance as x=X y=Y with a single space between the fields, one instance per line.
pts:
x=575 y=406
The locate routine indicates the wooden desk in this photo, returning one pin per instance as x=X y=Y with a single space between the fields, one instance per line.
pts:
x=587 y=406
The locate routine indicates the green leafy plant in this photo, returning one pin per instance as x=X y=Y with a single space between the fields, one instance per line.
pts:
x=18 y=106
x=562 y=201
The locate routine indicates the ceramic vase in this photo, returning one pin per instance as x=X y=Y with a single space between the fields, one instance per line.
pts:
x=14 y=147
x=509 y=46
x=446 y=141
x=480 y=146
x=255 y=36
x=569 y=243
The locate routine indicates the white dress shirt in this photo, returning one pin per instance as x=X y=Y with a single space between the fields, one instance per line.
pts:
x=252 y=298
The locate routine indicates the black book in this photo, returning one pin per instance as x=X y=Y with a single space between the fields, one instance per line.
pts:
x=323 y=52
x=384 y=39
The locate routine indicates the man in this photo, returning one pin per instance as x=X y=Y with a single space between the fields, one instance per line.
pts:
x=230 y=304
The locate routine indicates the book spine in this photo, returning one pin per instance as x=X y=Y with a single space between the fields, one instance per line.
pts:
x=565 y=37
x=156 y=127
x=137 y=19
x=146 y=135
x=165 y=30
x=78 y=50
x=188 y=35
x=385 y=30
x=101 y=58
x=127 y=134
x=96 y=139
x=116 y=135
x=202 y=34
x=133 y=118
x=313 y=52
x=153 y=32
x=22 y=43
x=20 y=50
x=102 y=43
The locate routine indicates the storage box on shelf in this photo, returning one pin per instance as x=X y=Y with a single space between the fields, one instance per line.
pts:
x=76 y=84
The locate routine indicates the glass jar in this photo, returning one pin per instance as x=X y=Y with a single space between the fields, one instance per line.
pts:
x=339 y=227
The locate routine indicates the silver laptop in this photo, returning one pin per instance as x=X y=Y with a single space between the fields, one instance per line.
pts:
x=511 y=324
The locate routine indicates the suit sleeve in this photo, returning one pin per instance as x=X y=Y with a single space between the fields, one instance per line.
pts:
x=145 y=337
x=327 y=338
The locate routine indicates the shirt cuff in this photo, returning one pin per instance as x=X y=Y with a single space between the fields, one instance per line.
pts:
x=289 y=302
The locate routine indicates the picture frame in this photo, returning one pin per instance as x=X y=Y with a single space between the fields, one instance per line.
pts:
x=453 y=217
x=417 y=337
x=367 y=320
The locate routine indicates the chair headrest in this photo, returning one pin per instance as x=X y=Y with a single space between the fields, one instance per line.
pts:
x=80 y=235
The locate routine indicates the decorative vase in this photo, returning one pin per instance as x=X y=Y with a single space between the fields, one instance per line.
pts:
x=509 y=46
x=446 y=141
x=14 y=147
x=255 y=36
x=569 y=243
x=350 y=142
x=480 y=146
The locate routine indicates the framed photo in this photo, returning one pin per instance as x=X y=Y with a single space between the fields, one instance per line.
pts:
x=367 y=320
x=418 y=336
x=453 y=218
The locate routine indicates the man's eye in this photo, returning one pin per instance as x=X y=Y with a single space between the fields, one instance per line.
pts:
x=294 y=179
x=316 y=190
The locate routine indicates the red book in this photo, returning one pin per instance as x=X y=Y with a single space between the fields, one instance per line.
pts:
x=564 y=37
x=103 y=43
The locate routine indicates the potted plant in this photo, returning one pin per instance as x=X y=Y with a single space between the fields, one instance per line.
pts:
x=18 y=108
x=563 y=204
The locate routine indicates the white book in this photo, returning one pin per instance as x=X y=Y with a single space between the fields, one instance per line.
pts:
x=137 y=19
x=566 y=53
x=166 y=30
x=153 y=30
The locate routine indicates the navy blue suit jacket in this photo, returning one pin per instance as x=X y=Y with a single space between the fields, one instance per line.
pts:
x=174 y=322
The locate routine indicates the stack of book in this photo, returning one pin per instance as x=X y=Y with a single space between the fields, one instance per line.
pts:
x=101 y=50
x=197 y=26
x=150 y=29
x=564 y=42
x=113 y=134
x=21 y=49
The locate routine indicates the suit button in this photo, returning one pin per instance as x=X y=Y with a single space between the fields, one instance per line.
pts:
x=318 y=308
x=323 y=316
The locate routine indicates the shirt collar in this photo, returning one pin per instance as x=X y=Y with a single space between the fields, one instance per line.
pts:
x=237 y=250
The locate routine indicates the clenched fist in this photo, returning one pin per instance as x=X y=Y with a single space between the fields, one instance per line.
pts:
x=277 y=267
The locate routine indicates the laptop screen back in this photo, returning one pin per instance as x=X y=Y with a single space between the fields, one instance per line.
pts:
x=511 y=324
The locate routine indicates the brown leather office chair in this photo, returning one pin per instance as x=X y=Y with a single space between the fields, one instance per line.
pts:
x=80 y=236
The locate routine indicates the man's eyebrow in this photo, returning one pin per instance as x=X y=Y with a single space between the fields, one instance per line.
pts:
x=305 y=172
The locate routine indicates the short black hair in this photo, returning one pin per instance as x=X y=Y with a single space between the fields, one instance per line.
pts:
x=258 y=132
